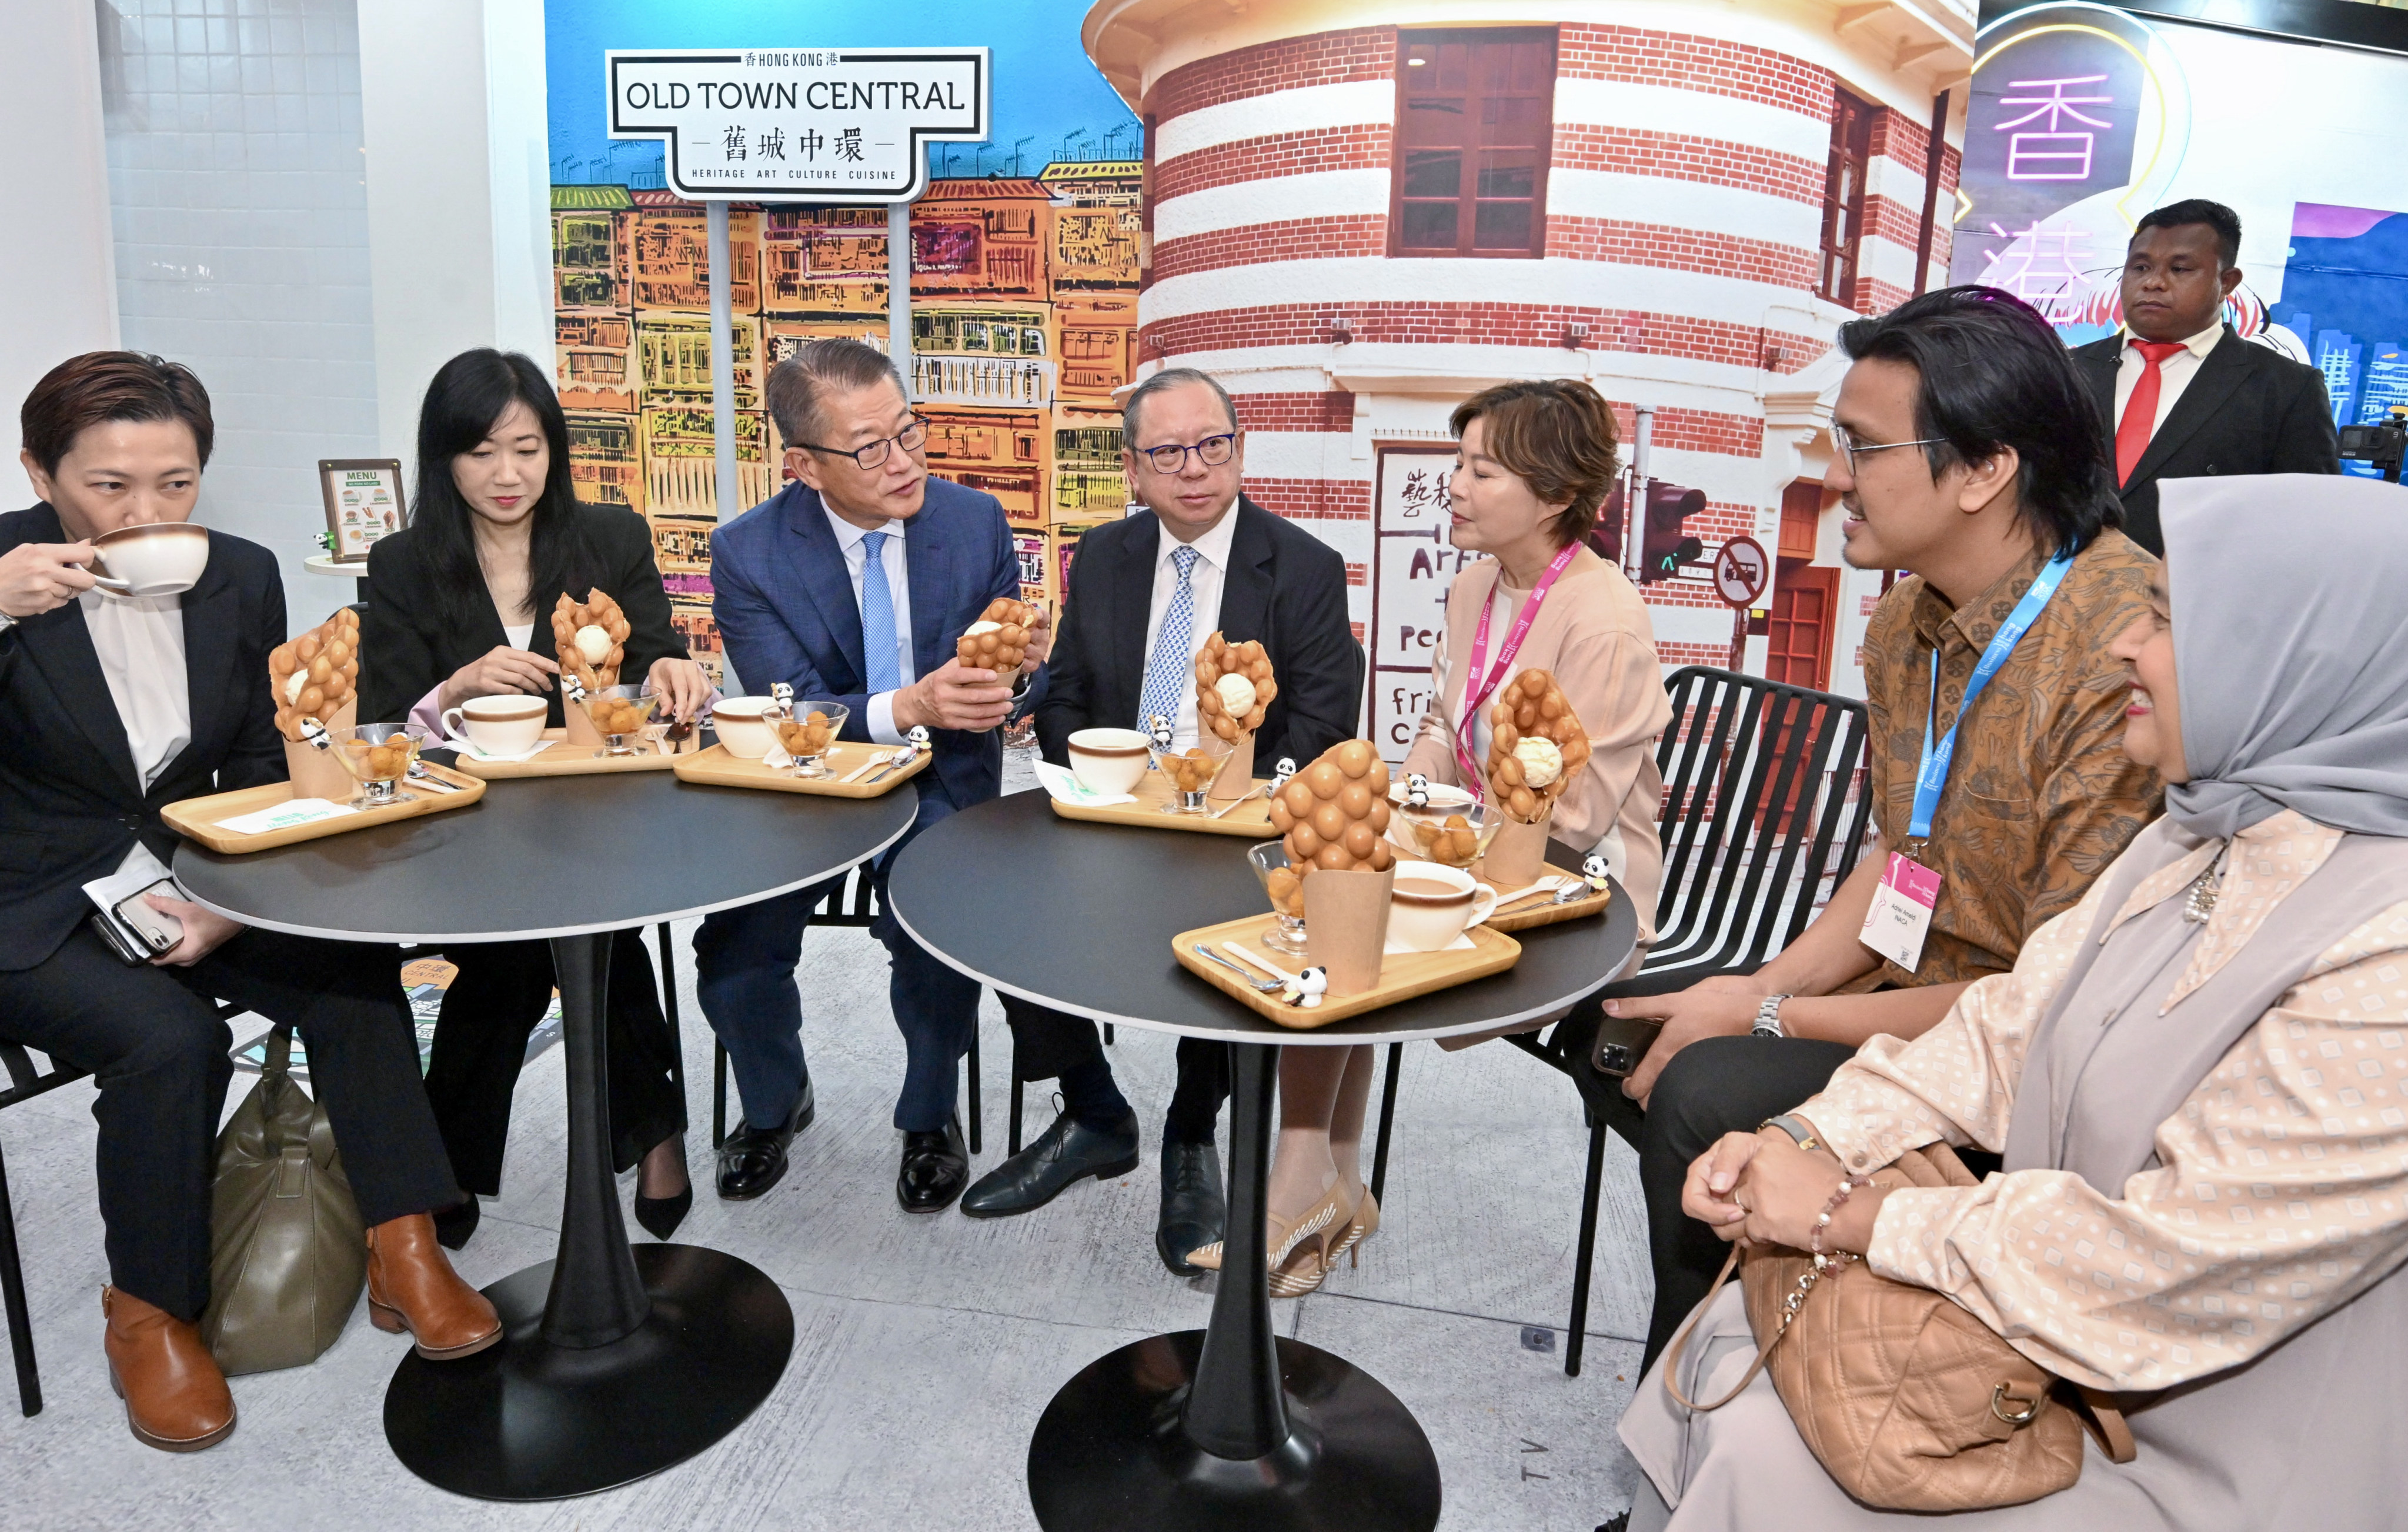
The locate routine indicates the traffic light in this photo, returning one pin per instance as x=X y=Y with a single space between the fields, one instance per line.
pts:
x=1666 y=546
x=1605 y=538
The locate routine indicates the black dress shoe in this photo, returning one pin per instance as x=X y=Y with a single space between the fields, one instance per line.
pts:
x=455 y=1224
x=935 y=1168
x=1195 y=1209
x=753 y=1159
x=1063 y=1154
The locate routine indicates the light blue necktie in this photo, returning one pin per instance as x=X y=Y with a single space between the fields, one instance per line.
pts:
x=1168 y=669
x=877 y=617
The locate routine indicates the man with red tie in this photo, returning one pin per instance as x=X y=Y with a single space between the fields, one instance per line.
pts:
x=2181 y=395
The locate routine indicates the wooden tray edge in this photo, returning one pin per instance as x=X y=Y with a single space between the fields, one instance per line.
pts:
x=1538 y=915
x=689 y=768
x=1121 y=814
x=1330 y=1012
x=204 y=834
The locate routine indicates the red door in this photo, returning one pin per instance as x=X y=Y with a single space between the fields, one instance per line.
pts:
x=1805 y=598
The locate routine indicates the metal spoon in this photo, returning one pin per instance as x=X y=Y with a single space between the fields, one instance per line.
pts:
x=1565 y=892
x=1262 y=986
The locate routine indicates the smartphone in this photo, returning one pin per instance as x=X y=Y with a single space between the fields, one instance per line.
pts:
x=156 y=931
x=1622 y=1042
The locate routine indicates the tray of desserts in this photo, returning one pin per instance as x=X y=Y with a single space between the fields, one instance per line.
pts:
x=1561 y=896
x=854 y=770
x=1234 y=958
x=1156 y=806
x=560 y=757
x=259 y=819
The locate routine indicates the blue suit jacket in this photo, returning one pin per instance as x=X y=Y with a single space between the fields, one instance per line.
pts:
x=785 y=604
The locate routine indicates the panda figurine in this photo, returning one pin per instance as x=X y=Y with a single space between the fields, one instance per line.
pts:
x=1593 y=871
x=1158 y=730
x=1417 y=791
x=1279 y=775
x=918 y=738
x=1307 y=988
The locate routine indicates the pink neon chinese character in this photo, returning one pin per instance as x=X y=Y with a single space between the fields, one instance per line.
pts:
x=2052 y=151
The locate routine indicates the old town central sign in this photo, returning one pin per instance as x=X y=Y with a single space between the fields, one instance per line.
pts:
x=816 y=124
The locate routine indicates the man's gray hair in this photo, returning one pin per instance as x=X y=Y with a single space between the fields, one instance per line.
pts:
x=1169 y=378
x=802 y=384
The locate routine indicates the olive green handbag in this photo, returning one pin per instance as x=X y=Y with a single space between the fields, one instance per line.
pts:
x=288 y=1254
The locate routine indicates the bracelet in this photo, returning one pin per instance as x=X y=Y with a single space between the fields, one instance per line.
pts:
x=1823 y=1220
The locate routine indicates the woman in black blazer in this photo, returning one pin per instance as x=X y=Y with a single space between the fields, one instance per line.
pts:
x=455 y=604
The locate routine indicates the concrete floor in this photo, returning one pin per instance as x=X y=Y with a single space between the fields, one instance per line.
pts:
x=926 y=1348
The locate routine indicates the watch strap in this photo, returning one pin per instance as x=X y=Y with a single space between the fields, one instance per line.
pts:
x=1767 y=1018
x=1796 y=1127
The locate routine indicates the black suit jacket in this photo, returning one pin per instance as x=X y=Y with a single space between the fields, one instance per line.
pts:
x=1284 y=587
x=2247 y=410
x=70 y=804
x=407 y=646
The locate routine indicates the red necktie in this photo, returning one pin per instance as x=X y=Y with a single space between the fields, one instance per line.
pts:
x=2141 y=409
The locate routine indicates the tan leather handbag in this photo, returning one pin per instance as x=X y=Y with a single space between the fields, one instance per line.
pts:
x=288 y=1254
x=1908 y=1402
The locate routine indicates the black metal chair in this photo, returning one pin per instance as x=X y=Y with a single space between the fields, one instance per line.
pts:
x=1738 y=886
x=24 y=1083
x=851 y=900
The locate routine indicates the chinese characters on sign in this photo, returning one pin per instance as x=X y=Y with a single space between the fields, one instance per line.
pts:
x=2052 y=151
x=804 y=124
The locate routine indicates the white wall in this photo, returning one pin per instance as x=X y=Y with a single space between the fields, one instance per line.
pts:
x=458 y=191
x=60 y=266
x=241 y=231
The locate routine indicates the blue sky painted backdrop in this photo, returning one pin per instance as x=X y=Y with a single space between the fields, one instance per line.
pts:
x=1049 y=102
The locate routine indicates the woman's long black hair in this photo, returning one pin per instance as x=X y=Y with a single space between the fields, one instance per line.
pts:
x=468 y=396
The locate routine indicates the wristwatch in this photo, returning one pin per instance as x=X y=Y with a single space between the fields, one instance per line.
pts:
x=1767 y=1018
x=1794 y=1125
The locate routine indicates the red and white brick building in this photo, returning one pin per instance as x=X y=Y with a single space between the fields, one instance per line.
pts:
x=1358 y=213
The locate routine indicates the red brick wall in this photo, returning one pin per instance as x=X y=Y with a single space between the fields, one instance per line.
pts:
x=1323 y=58
x=1356 y=147
x=1666 y=247
x=1645 y=57
x=1488 y=323
x=1678 y=156
x=1331 y=411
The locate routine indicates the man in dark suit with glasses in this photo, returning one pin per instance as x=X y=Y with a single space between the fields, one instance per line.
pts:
x=1145 y=593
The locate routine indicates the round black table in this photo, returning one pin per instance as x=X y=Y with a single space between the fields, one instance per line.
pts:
x=1230 y=1426
x=616 y=1361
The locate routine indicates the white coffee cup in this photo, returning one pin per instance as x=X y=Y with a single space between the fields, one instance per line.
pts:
x=1109 y=760
x=1431 y=904
x=505 y=724
x=744 y=727
x=157 y=558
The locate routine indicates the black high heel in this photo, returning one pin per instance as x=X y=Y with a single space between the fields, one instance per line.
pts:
x=661 y=1215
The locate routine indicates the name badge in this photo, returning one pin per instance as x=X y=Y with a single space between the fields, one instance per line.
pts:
x=1900 y=915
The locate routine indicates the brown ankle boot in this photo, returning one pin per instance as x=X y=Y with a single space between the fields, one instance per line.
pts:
x=412 y=1287
x=175 y=1398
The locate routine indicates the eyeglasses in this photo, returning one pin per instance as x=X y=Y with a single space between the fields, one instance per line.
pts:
x=1850 y=446
x=1211 y=452
x=873 y=454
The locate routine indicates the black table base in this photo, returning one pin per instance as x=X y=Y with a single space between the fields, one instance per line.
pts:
x=616 y=1361
x=1229 y=1426
x=528 y=1420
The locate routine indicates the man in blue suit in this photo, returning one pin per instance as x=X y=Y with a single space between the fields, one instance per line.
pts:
x=852 y=585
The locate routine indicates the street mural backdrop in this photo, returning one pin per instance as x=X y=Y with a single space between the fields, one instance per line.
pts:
x=1024 y=282
x=2085 y=118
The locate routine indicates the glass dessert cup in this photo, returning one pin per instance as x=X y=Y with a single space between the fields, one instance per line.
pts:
x=619 y=715
x=1190 y=772
x=378 y=756
x=1426 y=833
x=810 y=734
x=1288 y=935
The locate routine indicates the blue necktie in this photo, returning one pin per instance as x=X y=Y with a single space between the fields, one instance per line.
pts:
x=877 y=617
x=1172 y=662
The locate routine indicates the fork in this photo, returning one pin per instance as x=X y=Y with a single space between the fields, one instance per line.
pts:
x=1263 y=987
x=1563 y=892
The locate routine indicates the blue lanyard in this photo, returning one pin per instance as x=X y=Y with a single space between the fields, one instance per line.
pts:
x=1933 y=774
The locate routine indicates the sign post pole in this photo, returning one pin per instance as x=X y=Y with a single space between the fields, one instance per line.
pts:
x=898 y=292
x=1741 y=576
x=722 y=360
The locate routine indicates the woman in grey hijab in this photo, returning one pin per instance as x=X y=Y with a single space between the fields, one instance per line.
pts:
x=2198 y=1078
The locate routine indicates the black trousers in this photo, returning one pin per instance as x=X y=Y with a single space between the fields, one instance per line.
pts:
x=1714 y=1086
x=480 y=1037
x=1046 y=1042
x=152 y=1040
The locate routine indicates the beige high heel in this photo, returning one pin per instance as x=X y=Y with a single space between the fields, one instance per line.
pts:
x=1300 y=1253
x=1365 y=1224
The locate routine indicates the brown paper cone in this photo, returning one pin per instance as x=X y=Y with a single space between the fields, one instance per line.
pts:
x=316 y=773
x=581 y=728
x=1236 y=778
x=1346 y=925
x=1518 y=855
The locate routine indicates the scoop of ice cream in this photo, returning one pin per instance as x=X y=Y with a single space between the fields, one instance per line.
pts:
x=1541 y=762
x=292 y=685
x=1237 y=694
x=594 y=642
x=977 y=629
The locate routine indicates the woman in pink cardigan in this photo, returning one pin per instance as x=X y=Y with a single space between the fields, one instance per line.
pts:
x=1533 y=463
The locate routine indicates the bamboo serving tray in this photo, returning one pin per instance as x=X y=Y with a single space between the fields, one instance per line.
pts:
x=715 y=768
x=198 y=819
x=1153 y=795
x=1540 y=913
x=1403 y=976
x=562 y=759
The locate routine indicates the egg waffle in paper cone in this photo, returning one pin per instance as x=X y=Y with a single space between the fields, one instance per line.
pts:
x=569 y=620
x=1533 y=729
x=316 y=675
x=1217 y=665
x=999 y=640
x=1332 y=818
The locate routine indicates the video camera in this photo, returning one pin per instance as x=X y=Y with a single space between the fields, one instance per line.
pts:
x=2383 y=443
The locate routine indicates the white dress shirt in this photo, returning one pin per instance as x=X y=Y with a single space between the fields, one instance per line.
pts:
x=881 y=721
x=140 y=643
x=1204 y=583
x=2174 y=374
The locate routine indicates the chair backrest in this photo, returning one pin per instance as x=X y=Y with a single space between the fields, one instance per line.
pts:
x=24 y=1081
x=851 y=901
x=1761 y=810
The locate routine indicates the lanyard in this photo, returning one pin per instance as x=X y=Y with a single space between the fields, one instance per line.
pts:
x=1933 y=774
x=1474 y=691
